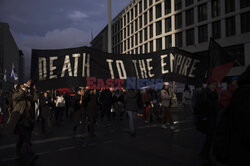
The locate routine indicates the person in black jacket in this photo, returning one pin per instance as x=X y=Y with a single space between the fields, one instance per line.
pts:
x=106 y=101
x=131 y=98
x=45 y=113
x=232 y=140
x=210 y=109
x=118 y=101
x=78 y=109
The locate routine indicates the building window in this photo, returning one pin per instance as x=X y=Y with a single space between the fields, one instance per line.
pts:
x=141 y=50
x=128 y=18
x=151 y=30
x=128 y=31
x=190 y=37
x=245 y=22
x=132 y=14
x=168 y=41
x=237 y=52
x=202 y=12
x=132 y=41
x=146 y=34
x=125 y=46
x=124 y=33
x=168 y=25
x=158 y=11
x=136 y=25
x=230 y=26
x=178 y=21
x=150 y=15
x=145 y=4
x=189 y=2
x=150 y=2
x=140 y=33
x=124 y=20
x=140 y=7
x=167 y=7
x=136 y=50
x=140 y=22
x=216 y=30
x=177 y=4
x=203 y=33
x=151 y=46
x=146 y=48
x=145 y=18
x=158 y=28
x=136 y=39
x=178 y=39
x=128 y=44
x=136 y=10
x=132 y=28
x=229 y=6
x=189 y=17
x=244 y=3
x=215 y=6
x=158 y=44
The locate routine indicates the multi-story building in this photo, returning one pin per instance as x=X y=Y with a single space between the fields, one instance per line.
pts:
x=145 y=26
x=9 y=54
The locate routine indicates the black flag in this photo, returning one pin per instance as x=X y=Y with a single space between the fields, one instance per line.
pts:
x=220 y=62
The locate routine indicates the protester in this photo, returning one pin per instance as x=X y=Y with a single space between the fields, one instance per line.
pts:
x=147 y=101
x=21 y=121
x=131 y=108
x=60 y=107
x=106 y=101
x=186 y=100
x=45 y=112
x=206 y=110
x=118 y=101
x=232 y=140
x=91 y=112
x=166 y=96
x=78 y=109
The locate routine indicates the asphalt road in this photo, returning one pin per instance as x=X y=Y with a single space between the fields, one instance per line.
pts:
x=152 y=146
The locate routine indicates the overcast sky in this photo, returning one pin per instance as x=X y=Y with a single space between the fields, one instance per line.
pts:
x=53 y=24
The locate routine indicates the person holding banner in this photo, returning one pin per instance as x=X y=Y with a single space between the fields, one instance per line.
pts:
x=166 y=96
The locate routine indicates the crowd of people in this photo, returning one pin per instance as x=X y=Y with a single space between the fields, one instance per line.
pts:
x=222 y=117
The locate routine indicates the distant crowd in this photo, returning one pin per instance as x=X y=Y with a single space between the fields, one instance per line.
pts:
x=222 y=116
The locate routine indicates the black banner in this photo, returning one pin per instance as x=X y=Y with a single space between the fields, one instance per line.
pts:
x=69 y=68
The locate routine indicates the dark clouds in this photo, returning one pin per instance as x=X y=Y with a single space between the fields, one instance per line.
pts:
x=55 y=24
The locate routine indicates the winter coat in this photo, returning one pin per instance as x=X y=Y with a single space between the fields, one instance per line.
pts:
x=146 y=97
x=187 y=97
x=45 y=107
x=166 y=97
x=239 y=127
x=131 y=98
x=21 y=113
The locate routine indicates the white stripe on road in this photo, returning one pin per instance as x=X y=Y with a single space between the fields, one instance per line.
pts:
x=109 y=141
x=67 y=148
x=9 y=159
x=44 y=141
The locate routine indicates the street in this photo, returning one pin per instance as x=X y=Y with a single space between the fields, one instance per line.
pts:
x=113 y=145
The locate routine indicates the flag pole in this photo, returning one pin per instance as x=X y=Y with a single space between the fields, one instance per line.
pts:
x=109 y=28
